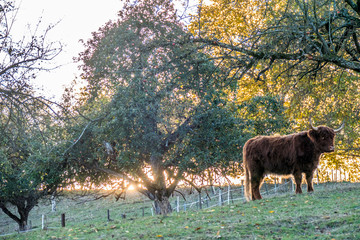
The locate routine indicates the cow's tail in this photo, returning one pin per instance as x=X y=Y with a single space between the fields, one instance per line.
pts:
x=247 y=177
x=247 y=184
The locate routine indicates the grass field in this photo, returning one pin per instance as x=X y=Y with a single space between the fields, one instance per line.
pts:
x=332 y=212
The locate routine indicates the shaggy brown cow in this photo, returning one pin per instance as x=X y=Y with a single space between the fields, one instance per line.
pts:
x=284 y=155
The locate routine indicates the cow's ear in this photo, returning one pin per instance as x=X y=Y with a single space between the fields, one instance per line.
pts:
x=312 y=135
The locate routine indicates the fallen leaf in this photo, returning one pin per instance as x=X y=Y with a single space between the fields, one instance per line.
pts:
x=271 y=211
x=113 y=227
x=197 y=229
x=186 y=227
x=159 y=236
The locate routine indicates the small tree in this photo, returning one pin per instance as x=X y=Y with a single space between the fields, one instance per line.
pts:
x=29 y=172
x=29 y=169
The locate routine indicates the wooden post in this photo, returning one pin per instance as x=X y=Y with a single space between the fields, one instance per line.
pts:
x=108 y=215
x=63 y=220
x=43 y=222
x=200 y=204
x=275 y=185
x=152 y=211
x=184 y=206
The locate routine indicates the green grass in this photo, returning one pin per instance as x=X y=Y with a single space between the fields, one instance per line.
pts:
x=332 y=212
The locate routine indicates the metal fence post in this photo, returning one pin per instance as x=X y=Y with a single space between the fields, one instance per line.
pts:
x=220 y=197
x=177 y=204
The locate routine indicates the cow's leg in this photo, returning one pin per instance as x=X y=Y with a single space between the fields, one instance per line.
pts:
x=298 y=179
x=255 y=187
x=309 y=177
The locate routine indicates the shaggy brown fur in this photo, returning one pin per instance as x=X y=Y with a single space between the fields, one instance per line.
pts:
x=283 y=155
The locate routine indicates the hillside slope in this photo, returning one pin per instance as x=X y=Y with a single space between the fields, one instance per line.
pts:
x=332 y=212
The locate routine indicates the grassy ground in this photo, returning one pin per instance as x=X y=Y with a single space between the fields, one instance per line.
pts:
x=332 y=212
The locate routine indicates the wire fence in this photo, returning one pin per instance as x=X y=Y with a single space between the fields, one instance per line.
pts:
x=226 y=195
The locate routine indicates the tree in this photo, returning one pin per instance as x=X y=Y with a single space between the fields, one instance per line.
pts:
x=305 y=52
x=31 y=166
x=157 y=118
x=29 y=163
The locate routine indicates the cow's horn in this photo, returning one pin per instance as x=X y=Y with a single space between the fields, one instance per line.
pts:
x=312 y=127
x=341 y=127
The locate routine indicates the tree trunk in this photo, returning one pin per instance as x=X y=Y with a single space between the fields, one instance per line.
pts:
x=23 y=225
x=22 y=220
x=162 y=206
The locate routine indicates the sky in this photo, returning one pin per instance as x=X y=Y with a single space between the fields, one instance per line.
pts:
x=77 y=19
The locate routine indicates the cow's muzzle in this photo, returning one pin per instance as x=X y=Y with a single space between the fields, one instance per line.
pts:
x=331 y=149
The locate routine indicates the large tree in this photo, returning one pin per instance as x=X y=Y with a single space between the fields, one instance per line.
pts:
x=158 y=108
x=306 y=52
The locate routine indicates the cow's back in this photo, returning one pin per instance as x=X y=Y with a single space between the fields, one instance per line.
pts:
x=272 y=154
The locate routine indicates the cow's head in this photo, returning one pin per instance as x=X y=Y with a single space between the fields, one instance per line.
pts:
x=323 y=137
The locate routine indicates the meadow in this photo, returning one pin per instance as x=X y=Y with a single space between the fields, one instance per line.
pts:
x=331 y=212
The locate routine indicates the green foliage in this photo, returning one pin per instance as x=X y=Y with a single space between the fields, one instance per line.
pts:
x=32 y=166
x=305 y=53
x=266 y=115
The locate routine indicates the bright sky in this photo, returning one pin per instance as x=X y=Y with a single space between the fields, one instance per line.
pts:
x=78 y=19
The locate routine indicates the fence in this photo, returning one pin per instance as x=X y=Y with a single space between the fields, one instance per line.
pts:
x=226 y=195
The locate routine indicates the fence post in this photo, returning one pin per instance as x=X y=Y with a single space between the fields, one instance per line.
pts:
x=242 y=188
x=200 y=205
x=228 y=195
x=220 y=197
x=177 y=204
x=266 y=188
x=275 y=185
x=152 y=211
x=108 y=215
x=43 y=222
x=63 y=220
x=317 y=177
